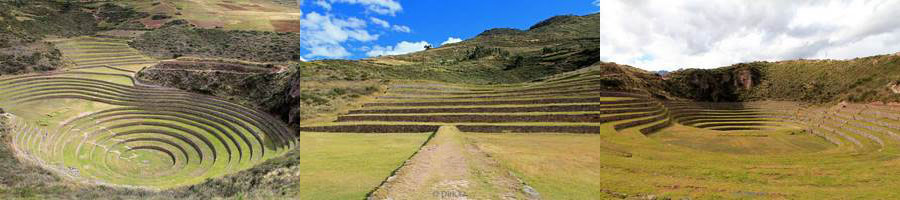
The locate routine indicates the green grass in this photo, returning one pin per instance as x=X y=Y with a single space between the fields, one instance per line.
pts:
x=348 y=166
x=558 y=166
x=95 y=157
x=681 y=161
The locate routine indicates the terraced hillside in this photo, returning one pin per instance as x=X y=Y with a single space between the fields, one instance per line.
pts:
x=725 y=116
x=92 y=51
x=861 y=126
x=565 y=105
x=674 y=148
x=95 y=124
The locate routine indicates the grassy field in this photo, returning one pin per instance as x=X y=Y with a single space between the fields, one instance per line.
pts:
x=509 y=110
x=559 y=166
x=592 y=166
x=349 y=166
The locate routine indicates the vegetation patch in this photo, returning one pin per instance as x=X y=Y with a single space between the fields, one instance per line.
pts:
x=181 y=40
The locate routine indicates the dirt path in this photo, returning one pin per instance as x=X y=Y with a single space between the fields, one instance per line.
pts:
x=448 y=167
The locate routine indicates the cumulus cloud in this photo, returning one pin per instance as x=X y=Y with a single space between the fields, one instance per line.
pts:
x=384 y=7
x=323 y=35
x=451 y=40
x=380 y=22
x=324 y=4
x=401 y=28
x=403 y=47
x=668 y=35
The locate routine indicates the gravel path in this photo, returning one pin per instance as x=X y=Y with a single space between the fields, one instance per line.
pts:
x=448 y=167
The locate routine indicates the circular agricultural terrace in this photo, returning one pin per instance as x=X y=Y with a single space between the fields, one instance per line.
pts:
x=579 y=104
x=95 y=124
x=737 y=146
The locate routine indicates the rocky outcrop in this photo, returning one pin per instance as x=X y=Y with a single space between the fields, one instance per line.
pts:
x=274 y=90
x=895 y=87
x=716 y=85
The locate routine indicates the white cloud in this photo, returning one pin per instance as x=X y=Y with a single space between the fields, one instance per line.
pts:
x=384 y=7
x=669 y=35
x=386 y=24
x=380 y=22
x=451 y=40
x=323 y=35
x=401 y=28
x=324 y=4
x=403 y=47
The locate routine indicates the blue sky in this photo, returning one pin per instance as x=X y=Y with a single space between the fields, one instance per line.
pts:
x=353 y=29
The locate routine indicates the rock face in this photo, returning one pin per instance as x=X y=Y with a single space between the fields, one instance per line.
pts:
x=273 y=91
x=721 y=84
x=895 y=87
x=744 y=79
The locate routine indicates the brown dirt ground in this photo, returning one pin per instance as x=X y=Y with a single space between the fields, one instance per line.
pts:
x=232 y=7
x=149 y=23
x=286 y=25
x=208 y=23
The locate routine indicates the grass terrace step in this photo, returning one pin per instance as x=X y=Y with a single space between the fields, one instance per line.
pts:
x=481 y=89
x=372 y=128
x=495 y=118
x=510 y=91
x=747 y=124
x=583 y=92
x=104 y=66
x=606 y=100
x=535 y=108
x=103 y=55
x=110 y=59
x=635 y=122
x=657 y=126
x=123 y=63
x=703 y=121
x=530 y=129
x=94 y=51
x=93 y=47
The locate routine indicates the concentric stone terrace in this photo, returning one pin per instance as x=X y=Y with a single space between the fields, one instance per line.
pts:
x=725 y=116
x=574 y=104
x=95 y=124
x=91 y=51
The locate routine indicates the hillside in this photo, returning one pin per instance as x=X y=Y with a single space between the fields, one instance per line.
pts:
x=26 y=25
x=248 y=15
x=557 y=45
x=863 y=80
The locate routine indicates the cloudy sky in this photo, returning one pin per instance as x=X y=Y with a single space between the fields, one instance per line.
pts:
x=668 y=35
x=352 y=29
